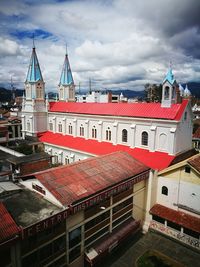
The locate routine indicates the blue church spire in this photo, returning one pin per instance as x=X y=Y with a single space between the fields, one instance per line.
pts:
x=34 y=73
x=66 y=77
x=170 y=76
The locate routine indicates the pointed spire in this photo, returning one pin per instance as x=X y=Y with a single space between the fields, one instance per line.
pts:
x=66 y=77
x=169 y=76
x=34 y=73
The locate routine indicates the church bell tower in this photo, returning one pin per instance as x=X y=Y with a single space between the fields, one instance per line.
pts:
x=168 y=90
x=34 y=105
x=66 y=87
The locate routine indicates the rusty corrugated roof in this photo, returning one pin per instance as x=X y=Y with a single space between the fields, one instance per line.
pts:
x=177 y=217
x=195 y=162
x=81 y=179
x=8 y=227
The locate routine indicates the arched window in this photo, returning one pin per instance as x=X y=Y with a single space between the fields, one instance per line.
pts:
x=163 y=142
x=67 y=160
x=167 y=92
x=94 y=132
x=81 y=130
x=61 y=93
x=50 y=126
x=60 y=128
x=144 y=138
x=70 y=128
x=164 y=190
x=124 y=135
x=28 y=126
x=185 y=116
x=108 y=134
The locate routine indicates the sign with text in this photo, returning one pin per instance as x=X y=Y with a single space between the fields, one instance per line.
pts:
x=45 y=224
x=108 y=193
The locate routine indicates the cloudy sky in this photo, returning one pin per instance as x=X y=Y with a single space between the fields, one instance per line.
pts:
x=116 y=43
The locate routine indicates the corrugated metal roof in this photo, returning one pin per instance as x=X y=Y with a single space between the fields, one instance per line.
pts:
x=177 y=217
x=155 y=160
x=8 y=228
x=144 y=110
x=73 y=182
x=195 y=162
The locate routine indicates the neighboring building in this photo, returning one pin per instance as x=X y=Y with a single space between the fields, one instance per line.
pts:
x=30 y=232
x=177 y=210
x=73 y=213
x=164 y=127
x=99 y=97
x=196 y=139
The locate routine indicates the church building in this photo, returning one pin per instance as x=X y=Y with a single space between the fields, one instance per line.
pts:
x=153 y=133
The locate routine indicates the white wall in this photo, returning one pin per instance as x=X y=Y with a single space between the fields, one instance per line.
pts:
x=179 y=192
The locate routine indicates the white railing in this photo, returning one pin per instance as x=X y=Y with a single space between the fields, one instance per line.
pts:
x=189 y=240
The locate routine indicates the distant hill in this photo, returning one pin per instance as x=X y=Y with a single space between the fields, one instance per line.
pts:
x=194 y=87
x=5 y=94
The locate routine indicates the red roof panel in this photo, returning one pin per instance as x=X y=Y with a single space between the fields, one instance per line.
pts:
x=144 y=110
x=177 y=217
x=155 y=160
x=78 y=183
x=8 y=227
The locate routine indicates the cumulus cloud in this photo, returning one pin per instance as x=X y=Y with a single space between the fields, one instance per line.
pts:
x=118 y=44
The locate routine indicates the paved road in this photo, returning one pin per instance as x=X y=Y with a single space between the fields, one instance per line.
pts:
x=127 y=253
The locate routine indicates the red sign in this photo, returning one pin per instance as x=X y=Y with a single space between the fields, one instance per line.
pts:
x=108 y=193
x=45 y=224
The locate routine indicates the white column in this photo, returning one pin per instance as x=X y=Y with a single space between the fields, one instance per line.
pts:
x=148 y=201
x=152 y=138
x=86 y=129
x=64 y=126
x=132 y=135
x=114 y=133
x=74 y=127
x=171 y=144
x=54 y=124
x=99 y=131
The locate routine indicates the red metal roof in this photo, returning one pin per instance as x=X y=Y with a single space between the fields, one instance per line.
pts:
x=177 y=217
x=155 y=160
x=8 y=227
x=70 y=183
x=144 y=110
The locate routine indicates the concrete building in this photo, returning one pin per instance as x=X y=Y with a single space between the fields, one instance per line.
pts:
x=177 y=210
x=72 y=214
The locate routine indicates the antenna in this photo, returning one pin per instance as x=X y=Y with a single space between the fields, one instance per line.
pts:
x=170 y=64
x=66 y=49
x=33 y=40
x=90 y=87
x=79 y=87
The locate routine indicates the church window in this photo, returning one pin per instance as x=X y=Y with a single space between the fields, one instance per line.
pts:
x=108 y=134
x=81 y=130
x=94 y=132
x=55 y=159
x=185 y=116
x=187 y=169
x=70 y=128
x=67 y=160
x=144 y=138
x=124 y=135
x=167 y=92
x=164 y=190
x=28 y=126
x=60 y=128
x=50 y=126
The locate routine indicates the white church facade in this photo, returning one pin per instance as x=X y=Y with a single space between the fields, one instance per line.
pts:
x=74 y=131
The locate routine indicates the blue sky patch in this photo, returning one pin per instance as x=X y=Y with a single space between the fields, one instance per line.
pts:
x=29 y=34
